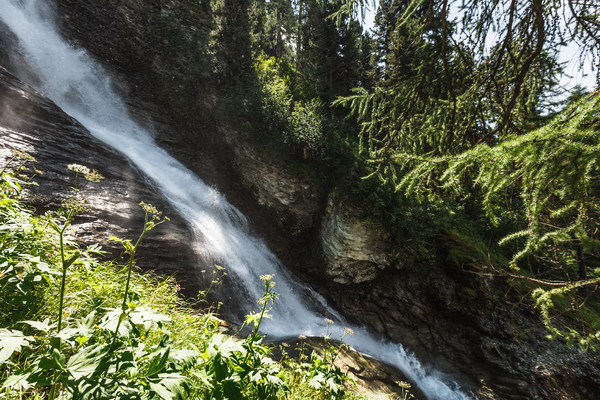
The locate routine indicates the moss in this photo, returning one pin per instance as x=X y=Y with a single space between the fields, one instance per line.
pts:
x=462 y=251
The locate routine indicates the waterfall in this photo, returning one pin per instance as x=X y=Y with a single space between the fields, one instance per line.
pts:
x=78 y=85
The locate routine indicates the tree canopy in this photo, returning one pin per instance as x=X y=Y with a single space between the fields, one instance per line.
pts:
x=468 y=105
x=449 y=101
x=456 y=74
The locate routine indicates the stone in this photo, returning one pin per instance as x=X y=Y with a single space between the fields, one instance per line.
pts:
x=355 y=248
x=34 y=124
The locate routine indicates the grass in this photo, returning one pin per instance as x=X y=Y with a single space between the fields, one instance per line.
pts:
x=123 y=334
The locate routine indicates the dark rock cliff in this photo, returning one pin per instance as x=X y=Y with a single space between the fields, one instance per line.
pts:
x=32 y=123
x=449 y=317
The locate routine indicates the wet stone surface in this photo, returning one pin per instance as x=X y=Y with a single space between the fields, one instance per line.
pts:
x=34 y=124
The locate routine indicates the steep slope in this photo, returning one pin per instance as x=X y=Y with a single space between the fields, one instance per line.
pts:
x=32 y=123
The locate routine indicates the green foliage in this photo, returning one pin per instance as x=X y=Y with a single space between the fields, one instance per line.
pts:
x=241 y=369
x=26 y=249
x=414 y=106
x=457 y=112
x=550 y=177
x=61 y=219
x=307 y=126
x=277 y=98
x=74 y=327
x=87 y=365
x=320 y=371
x=275 y=27
x=545 y=302
x=328 y=57
x=152 y=218
x=553 y=170
x=296 y=124
x=350 y=8
x=12 y=341
x=445 y=84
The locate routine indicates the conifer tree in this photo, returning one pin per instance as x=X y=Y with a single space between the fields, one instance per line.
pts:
x=328 y=59
x=233 y=42
x=447 y=85
x=275 y=28
x=463 y=107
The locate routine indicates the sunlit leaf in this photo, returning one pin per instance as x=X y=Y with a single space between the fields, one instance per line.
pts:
x=170 y=386
x=12 y=341
x=43 y=326
x=88 y=360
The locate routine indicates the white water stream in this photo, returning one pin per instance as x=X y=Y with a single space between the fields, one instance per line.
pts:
x=82 y=89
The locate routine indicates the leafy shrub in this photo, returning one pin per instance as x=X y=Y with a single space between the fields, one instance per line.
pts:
x=294 y=123
x=77 y=328
x=276 y=99
x=307 y=127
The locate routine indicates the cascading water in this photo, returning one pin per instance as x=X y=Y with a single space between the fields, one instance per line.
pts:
x=79 y=86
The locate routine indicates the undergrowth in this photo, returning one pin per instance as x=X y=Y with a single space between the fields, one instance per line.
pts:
x=74 y=327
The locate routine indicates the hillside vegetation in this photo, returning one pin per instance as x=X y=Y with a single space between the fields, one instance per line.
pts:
x=74 y=327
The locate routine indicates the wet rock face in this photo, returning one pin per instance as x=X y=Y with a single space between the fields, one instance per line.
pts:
x=463 y=328
x=290 y=197
x=32 y=123
x=354 y=247
x=160 y=46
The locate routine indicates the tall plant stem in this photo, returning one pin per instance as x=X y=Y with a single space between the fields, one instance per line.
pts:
x=151 y=220
x=54 y=389
x=255 y=332
x=132 y=251
x=6 y=165
x=267 y=296
x=64 y=276
x=129 y=268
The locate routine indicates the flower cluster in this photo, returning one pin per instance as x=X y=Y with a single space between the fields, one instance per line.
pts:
x=90 y=174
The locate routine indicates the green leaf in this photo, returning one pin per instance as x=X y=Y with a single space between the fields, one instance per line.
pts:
x=158 y=362
x=54 y=226
x=184 y=356
x=43 y=326
x=125 y=242
x=18 y=381
x=225 y=346
x=86 y=324
x=88 y=360
x=170 y=386
x=147 y=316
x=232 y=391
x=12 y=341
x=219 y=367
x=203 y=377
x=110 y=321
x=51 y=363
x=71 y=259
x=24 y=379
x=68 y=334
